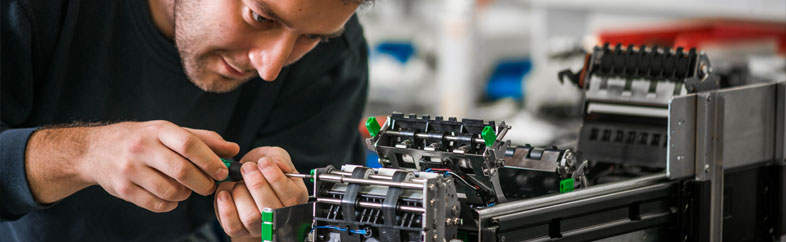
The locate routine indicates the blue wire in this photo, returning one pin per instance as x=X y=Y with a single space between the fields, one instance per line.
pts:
x=359 y=231
x=428 y=170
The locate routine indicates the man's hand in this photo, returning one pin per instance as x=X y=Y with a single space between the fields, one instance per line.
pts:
x=152 y=164
x=238 y=205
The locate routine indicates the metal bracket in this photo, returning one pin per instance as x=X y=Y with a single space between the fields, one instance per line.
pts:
x=709 y=155
x=681 y=149
x=780 y=123
x=780 y=155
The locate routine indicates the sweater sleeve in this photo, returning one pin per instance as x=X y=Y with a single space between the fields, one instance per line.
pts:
x=16 y=80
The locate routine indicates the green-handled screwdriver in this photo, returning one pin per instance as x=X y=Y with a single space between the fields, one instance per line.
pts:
x=235 y=175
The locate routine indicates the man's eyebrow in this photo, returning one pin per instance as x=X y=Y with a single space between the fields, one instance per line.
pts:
x=268 y=12
x=262 y=6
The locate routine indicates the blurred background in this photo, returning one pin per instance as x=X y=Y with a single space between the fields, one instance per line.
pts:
x=498 y=60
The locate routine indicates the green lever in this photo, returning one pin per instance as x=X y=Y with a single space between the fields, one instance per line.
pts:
x=489 y=136
x=566 y=185
x=373 y=126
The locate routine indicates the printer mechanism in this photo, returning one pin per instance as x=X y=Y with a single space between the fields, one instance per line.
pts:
x=647 y=164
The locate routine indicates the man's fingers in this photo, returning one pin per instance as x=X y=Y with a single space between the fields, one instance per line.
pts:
x=182 y=170
x=227 y=215
x=217 y=143
x=194 y=149
x=276 y=154
x=290 y=191
x=161 y=185
x=247 y=210
x=260 y=190
x=144 y=199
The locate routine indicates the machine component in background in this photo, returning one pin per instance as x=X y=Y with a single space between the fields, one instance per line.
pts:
x=627 y=93
x=471 y=150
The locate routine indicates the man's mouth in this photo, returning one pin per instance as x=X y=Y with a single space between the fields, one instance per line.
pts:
x=230 y=70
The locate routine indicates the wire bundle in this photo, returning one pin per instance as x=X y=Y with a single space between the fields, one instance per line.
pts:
x=450 y=172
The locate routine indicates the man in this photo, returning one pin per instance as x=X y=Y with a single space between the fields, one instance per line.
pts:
x=115 y=112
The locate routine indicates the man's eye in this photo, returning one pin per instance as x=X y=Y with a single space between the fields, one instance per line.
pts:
x=259 y=18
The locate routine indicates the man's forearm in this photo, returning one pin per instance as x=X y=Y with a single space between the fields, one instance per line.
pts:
x=51 y=162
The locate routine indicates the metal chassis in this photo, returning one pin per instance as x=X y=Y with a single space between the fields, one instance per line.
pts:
x=712 y=135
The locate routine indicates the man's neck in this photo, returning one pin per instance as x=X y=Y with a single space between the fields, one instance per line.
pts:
x=162 y=12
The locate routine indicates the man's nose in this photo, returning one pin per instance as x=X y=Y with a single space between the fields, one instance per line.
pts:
x=269 y=57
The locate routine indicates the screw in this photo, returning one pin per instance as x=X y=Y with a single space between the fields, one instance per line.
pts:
x=432 y=187
x=709 y=98
x=704 y=71
x=432 y=202
x=436 y=236
x=707 y=168
x=502 y=239
x=679 y=157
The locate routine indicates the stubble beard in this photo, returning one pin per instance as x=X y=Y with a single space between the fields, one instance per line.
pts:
x=188 y=35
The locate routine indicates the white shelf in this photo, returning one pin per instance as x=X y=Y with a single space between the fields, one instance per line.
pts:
x=774 y=10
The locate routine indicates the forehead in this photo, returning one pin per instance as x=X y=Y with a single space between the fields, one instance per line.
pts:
x=308 y=15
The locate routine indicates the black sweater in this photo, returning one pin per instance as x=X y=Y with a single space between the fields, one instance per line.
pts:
x=103 y=60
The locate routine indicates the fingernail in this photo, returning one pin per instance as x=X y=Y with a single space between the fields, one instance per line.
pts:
x=263 y=162
x=247 y=168
x=222 y=196
x=221 y=174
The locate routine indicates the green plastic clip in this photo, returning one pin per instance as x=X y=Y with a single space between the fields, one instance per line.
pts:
x=373 y=126
x=267 y=215
x=267 y=224
x=313 y=173
x=267 y=231
x=566 y=185
x=489 y=136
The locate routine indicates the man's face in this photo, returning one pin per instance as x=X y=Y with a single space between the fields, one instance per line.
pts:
x=224 y=43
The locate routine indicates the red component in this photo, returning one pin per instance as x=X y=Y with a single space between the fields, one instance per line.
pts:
x=695 y=34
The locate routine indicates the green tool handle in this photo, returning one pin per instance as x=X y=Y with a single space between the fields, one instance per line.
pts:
x=234 y=170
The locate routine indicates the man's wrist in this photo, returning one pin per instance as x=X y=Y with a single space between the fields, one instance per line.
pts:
x=54 y=163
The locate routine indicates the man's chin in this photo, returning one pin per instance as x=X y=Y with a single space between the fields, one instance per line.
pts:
x=220 y=84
